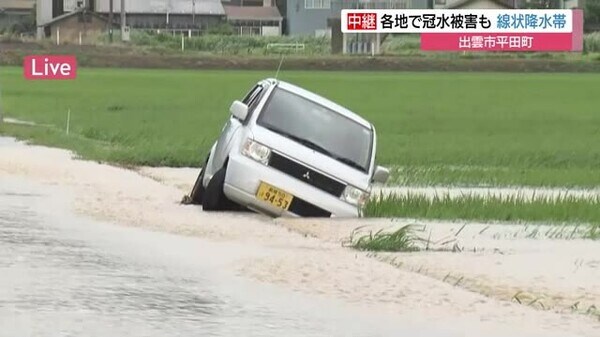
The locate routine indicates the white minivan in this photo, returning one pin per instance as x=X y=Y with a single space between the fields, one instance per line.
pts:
x=286 y=151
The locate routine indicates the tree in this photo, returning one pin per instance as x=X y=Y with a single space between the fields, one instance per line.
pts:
x=26 y=24
x=592 y=12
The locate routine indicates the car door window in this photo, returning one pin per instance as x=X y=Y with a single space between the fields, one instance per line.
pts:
x=251 y=94
x=252 y=99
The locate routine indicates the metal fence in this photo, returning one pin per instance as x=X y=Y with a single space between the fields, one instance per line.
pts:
x=286 y=46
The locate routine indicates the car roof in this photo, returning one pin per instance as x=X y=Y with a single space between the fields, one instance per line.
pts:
x=320 y=100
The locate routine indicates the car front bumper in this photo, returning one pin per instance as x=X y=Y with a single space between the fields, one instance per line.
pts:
x=244 y=175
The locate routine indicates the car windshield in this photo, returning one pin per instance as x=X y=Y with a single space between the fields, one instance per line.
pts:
x=318 y=128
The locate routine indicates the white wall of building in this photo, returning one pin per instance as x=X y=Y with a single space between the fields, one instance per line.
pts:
x=479 y=4
x=568 y=4
x=43 y=15
x=270 y=31
x=483 y=4
x=163 y=6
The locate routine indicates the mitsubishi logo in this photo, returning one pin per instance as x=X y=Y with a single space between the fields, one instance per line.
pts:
x=306 y=175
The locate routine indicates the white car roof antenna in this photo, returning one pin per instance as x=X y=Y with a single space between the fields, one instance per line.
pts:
x=279 y=67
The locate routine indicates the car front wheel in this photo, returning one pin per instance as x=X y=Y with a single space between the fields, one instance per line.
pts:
x=197 y=194
x=214 y=198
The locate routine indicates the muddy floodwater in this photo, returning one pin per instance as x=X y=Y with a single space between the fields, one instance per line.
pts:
x=90 y=249
x=65 y=276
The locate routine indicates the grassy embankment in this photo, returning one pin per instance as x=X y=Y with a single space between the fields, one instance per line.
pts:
x=401 y=45
x=433 y=128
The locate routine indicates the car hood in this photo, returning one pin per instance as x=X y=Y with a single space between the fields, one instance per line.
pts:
x=311 y=158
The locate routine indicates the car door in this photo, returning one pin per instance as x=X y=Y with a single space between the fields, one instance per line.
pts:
x=232 y=127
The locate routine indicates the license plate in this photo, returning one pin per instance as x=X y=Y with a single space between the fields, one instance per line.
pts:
x=274 y=196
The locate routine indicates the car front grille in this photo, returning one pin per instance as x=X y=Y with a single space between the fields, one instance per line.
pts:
x=306 y=174
x=306 y=209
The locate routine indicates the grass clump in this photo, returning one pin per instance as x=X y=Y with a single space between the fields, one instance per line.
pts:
x=594 y=232
x=401 y=240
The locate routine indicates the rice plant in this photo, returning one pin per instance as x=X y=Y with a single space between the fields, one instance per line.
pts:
x=401 y=240
x=547 y=210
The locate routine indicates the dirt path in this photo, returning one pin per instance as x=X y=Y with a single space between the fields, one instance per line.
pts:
x=543 y=267
x=308 y=256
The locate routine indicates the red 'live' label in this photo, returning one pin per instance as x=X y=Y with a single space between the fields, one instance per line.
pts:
x=50 y=67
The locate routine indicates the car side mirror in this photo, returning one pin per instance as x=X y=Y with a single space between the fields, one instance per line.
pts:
x=381 y=174
x=239 y=110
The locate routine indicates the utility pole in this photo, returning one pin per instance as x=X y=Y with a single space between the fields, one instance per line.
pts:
x=123 y=20
x=110 y=21
x=43 y=15
x=194 y=13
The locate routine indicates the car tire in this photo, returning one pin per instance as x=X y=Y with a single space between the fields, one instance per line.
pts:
x=197 y=194
x=214 y=197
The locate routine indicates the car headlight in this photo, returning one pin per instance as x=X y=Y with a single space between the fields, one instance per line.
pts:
x=256 y=151
x=355 y=196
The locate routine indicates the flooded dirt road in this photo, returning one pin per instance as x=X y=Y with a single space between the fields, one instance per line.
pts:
x=89 y=249
x=67 y=276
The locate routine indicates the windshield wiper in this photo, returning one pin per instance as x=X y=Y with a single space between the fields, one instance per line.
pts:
x=349 y=162
x=312 y=145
